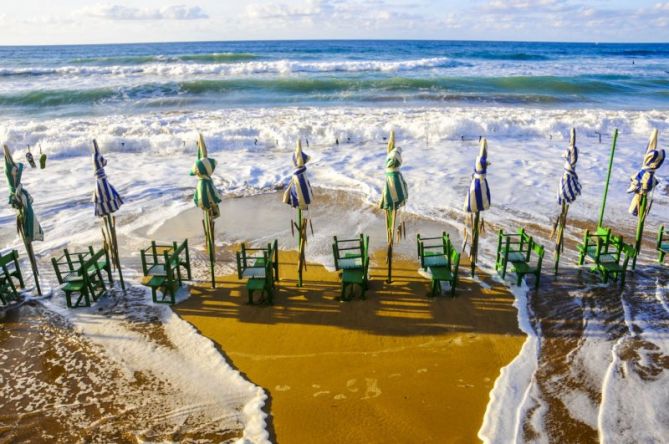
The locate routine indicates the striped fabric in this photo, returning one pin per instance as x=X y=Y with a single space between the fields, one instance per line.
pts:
x=395 y=192
x=644 y=181
x=569 y=187
x=299 y=194
x=106 y=198
x=206 y=195
x=20 y=199
x=478 y=196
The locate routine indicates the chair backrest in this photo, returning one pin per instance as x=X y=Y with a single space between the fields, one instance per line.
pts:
x=8 y=257
x=444 y=246
x=350 y=247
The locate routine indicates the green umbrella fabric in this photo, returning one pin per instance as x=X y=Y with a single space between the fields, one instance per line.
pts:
x=206 y=197
x=21 y=200
x=395 y=191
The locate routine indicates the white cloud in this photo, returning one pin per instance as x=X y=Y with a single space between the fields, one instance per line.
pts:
x=346 y=14
x=119 y=12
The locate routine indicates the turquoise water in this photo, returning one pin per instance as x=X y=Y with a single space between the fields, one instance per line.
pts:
x=96 y=79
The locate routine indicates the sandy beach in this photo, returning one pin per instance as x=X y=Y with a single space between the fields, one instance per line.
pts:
x=397 y=367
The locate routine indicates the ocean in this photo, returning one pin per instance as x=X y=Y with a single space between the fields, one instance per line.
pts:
x=145 y=104
x=187 y=76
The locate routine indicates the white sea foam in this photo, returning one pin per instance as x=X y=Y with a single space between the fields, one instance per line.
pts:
x=234 y=69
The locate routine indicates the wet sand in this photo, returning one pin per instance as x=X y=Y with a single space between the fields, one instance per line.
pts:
x=396 y=367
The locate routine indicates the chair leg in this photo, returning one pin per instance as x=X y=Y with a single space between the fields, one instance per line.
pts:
x=453 y=282
x=660 y=258
x=250 y=297
x=519 y=278
x=537 y=280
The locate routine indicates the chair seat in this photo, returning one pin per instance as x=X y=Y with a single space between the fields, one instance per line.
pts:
x=254 y=273
x=157 y=270
x=608 y=259
x=154 y=281
x=435 y=260
x=73 y=277
x=74 y=286
x=350 y=263
x=523 y=268
x=611 y=267
x=516 y=256
x=441 y=273
x=353 y=276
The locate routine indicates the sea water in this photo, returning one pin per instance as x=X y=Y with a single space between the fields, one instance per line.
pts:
x=145 y=104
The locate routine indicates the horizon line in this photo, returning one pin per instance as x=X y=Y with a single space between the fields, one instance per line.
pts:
x=166 y=42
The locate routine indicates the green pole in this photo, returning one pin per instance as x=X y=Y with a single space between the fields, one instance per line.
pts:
x=639 y=228
x=300 y=247
x=608 y=178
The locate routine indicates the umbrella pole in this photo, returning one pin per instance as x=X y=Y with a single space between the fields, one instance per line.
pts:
x=110 y=222
x=390 y=230
x=300 y=246
x=643 y=205
x=608 y=178
x=33 y=264
x=562 y=222
x=475 y=242
x=209 y=235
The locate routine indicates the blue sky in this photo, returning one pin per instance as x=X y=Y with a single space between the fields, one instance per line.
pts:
x=85 y=21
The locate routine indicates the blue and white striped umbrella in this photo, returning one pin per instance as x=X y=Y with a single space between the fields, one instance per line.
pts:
x=478 y=196
x=569 y=188
x=644 y=181
x=299 y=194
x=106 y=198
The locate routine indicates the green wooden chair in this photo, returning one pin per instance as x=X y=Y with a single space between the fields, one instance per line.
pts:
x=260 y=266
x=351 y=257
x=516 y=249
x=81 y=274
x=615 y=269
x=662 y=244
x=440 y=259
x=10 y=269
x=605 y=249
x=161 y=266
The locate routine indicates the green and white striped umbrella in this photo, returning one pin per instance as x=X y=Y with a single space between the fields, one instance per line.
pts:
x=394 y=196
x=26 y=222
x=21 y=200
x=207 y=198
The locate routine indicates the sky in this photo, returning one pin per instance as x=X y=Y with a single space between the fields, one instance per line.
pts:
x=30 y=22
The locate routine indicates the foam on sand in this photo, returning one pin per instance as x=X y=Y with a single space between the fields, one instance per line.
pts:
x=143 y=338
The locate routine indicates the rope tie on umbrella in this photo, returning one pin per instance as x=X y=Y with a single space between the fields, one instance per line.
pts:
x=644 y=181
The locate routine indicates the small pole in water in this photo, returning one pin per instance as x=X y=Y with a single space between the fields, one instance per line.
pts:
x=479 y=139
x=307 y=141
x=255 y=141
x=336 y=140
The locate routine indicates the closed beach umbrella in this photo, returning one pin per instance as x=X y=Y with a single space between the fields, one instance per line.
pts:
x=569 y=189
x=299 y=195
x=206 y=198
x=26 y=223
x=477 y=200
x=395 y=195
x=642 y=184
x=107 y=201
